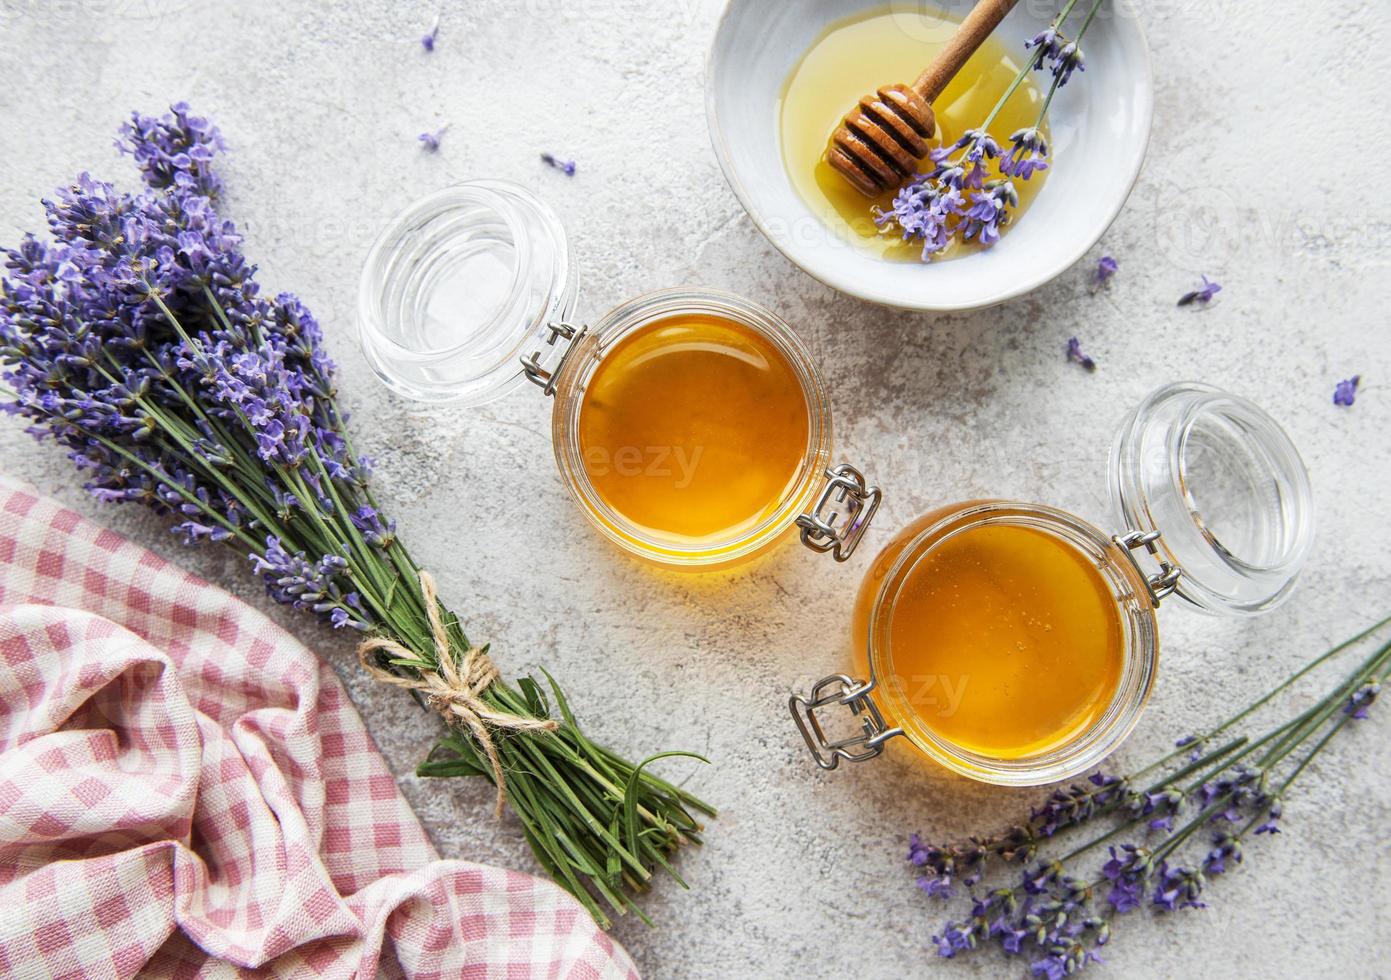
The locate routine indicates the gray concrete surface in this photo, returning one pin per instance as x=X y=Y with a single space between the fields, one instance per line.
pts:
x=1264 y=173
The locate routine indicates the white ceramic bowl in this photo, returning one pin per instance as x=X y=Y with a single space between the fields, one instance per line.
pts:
x=1100 y=125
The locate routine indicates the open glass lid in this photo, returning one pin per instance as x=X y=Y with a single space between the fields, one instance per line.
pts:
x=1215 y=489
x=460 y=287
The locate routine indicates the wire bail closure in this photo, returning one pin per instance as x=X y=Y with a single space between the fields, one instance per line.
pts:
x=555 y=332
x=824 y=528
x=841 y=689
x=1161 y=584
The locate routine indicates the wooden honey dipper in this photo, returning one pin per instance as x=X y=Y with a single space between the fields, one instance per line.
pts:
x=879 y=143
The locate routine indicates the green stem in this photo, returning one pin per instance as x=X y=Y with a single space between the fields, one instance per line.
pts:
x=1057 y=79
x=1034 y=59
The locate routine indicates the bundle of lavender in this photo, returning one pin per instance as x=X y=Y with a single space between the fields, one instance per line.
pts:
x=1210 y=796
x=140 y=340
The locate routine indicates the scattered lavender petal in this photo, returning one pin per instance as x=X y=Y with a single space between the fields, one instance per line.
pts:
x=432 y=140
x=1106 y=267
x=1208 y=290
x=1346 y=391
x=566 y=166
x=1074 y=353
x=427 y=40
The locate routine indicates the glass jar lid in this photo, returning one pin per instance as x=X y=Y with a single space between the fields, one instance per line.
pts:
x=460 y=287
x=1223 y=487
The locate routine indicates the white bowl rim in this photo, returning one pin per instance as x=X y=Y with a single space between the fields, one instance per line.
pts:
x=847 y=284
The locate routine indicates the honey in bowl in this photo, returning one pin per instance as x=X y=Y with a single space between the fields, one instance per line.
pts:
x=881 y=47
x=694 y=429
x=1006 y=641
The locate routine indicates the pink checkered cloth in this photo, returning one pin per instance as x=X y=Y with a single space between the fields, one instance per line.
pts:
x=186 y=791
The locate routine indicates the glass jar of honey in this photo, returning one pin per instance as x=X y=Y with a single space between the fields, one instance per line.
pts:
x=1017 y=644
x=691 y=426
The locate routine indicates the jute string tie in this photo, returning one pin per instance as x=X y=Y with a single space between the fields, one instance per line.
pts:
x=456 y=689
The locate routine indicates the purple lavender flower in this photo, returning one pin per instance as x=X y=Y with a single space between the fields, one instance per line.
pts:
x=1361 y=699
x=144 y=303
x=1124 y=896
x=1106 y=267
x=431 y=141
x=976 y=146
x=1345 y=393
x=1049 y=41
x=1203 y=294
x=1074 y=354
x=923 y=209
x=1272 y=817
x=1226 y=847
x=955 y=938
x=566 y=167
x=1178 y=888
x=1067 y=60
x=1027 y=155
x=427 y=40
x=988 y=211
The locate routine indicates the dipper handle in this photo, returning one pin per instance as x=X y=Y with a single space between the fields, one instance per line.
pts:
x=984 y=17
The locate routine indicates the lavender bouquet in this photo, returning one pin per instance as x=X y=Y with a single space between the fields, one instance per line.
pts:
x=957 y=199
x=140 y=340
x=1211 y=795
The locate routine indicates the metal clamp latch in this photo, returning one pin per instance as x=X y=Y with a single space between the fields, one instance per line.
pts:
x=1161 y=584
x=531 y=364
x=841 y=689
x=822 y=531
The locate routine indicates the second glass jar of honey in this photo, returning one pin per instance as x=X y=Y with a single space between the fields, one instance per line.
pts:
x=690 y=425
x=1017 y=644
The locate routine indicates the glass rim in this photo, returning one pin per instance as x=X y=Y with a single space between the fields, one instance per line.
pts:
x=541 y=288
x=1152 y=488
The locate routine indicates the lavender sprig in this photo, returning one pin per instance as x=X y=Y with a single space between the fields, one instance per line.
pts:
x=1230 y=794
x=956 y=200
x=139 y=340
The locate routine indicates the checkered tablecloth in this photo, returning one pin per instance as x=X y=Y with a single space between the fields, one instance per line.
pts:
x=186 y=791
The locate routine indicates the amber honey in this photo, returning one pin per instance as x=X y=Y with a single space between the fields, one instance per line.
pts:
x=693 y=429
x=1003 y=639
x=856 y=57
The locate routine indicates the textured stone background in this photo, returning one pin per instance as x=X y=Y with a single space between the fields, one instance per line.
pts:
x=804 y=872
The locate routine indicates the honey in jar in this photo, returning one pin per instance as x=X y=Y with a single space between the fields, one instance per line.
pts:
x=1006 y=640
x=1015 y=643
x=693 y=428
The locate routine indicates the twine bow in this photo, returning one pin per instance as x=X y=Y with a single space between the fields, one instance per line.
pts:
x=456 y=688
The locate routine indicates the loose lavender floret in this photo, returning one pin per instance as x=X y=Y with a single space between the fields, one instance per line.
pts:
x=1203 y=294
x=427 y=40
x=431 y=141
x=1106 y=267
x=1361 y=699
x=1074 y=354
x=1345 y=393
x=566 y=167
